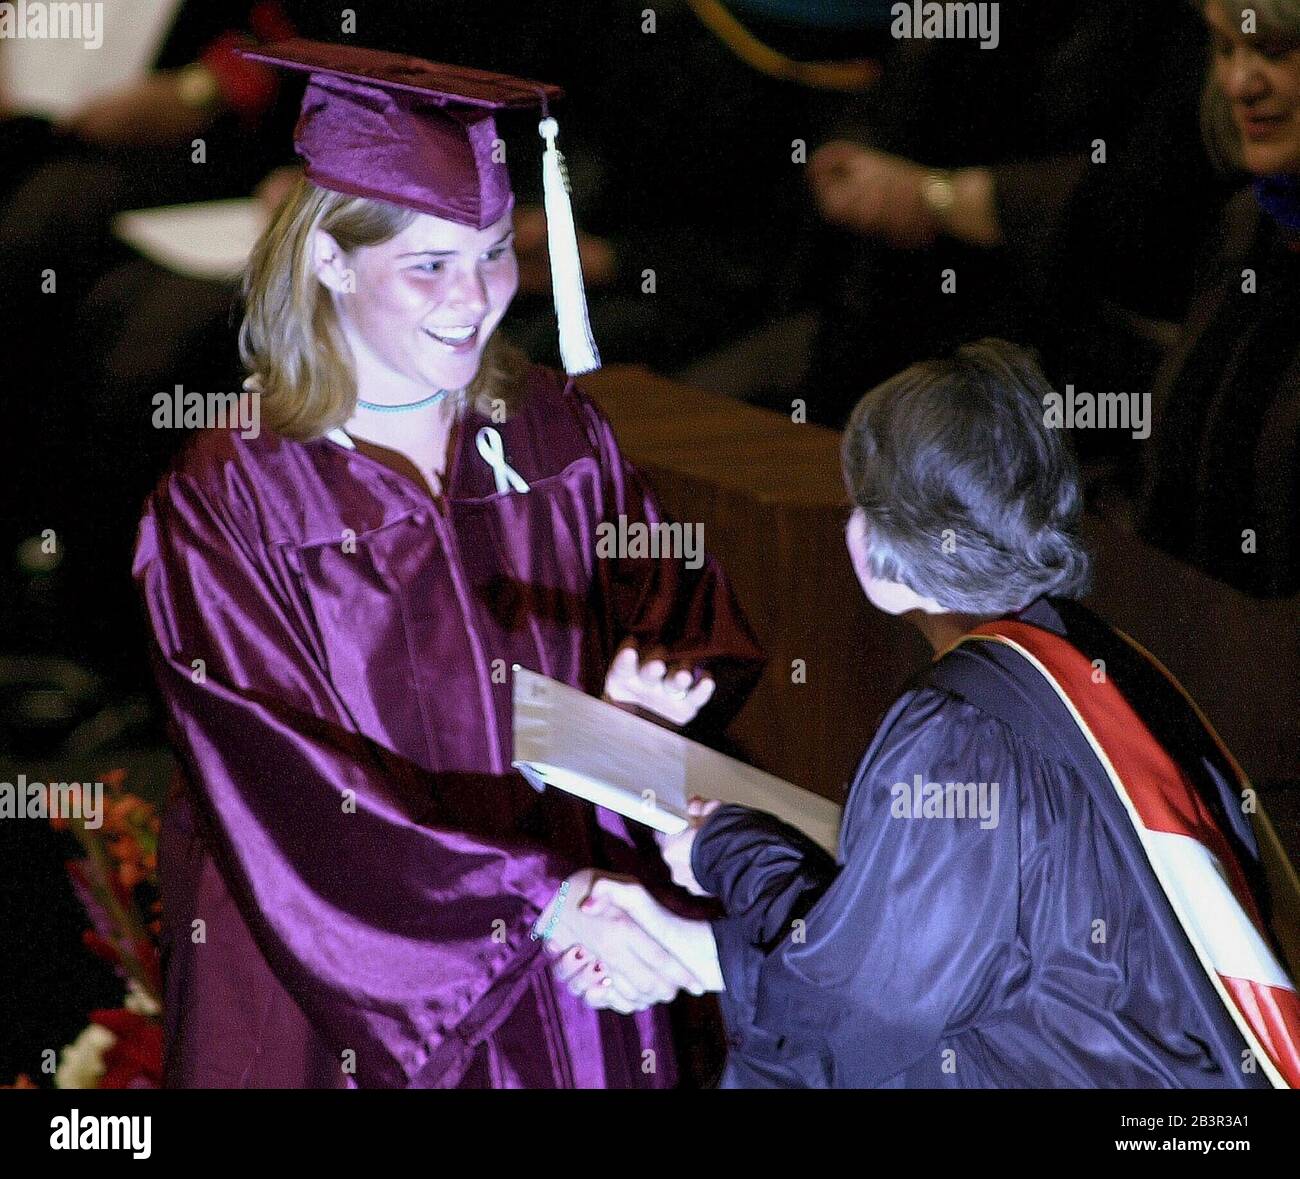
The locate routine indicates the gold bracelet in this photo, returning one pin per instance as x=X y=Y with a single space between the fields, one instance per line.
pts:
x=197 y=87
x=938 y=194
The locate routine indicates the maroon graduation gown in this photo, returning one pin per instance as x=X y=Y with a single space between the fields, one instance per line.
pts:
x=351 y=869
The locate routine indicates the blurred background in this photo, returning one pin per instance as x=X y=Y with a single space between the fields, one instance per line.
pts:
x=769 y=192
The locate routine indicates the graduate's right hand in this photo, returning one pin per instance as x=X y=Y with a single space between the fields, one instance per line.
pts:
x=591 y=982
x=587 y=978
x=606 y=916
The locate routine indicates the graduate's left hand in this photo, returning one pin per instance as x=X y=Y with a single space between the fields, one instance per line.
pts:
x=677 y=697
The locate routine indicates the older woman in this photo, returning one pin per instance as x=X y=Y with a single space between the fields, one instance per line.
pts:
x=1222 y=486
x=352 y=874
x=1045 y=875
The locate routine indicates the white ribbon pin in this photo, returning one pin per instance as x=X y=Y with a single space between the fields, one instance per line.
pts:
x=493 y=452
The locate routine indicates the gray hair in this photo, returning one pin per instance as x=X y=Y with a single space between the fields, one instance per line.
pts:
x=1275 y=18
x=970 y=497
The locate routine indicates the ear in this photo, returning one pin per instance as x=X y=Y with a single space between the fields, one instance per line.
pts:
x=855 y=539
x=331 y=265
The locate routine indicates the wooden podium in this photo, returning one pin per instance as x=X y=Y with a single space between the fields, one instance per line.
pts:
x=769 y=495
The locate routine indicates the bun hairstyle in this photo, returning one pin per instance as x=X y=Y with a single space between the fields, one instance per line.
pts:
x=970 y=498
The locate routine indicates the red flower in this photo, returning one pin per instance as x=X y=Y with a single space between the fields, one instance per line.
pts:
x=101 y=947
x=135 y=1059
x=147 y=955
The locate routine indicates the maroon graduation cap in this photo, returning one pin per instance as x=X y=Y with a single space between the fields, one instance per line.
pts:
x=421 y=134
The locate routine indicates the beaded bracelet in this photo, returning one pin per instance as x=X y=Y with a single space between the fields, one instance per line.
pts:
x=555 y=916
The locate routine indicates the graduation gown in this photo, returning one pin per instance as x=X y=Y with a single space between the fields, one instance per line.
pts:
x=1025 y=946
x=350 y=868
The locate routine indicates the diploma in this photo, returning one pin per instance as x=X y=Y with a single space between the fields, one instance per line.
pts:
x=615 y=759
x=210 y=240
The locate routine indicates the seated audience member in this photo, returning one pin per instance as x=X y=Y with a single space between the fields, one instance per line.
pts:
x=127 y=140
x=1023 y=193
x=1222 y=481
x=160 y=113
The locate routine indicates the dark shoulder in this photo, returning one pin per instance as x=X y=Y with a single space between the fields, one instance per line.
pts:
x=213 y=454
x=1242 y=219
x=555 y=403
x=939 y=727
x=224 y=471
x=1240 y=232
x=937 y=718
x=546 y=384
x=937 y=749
x=548 y=390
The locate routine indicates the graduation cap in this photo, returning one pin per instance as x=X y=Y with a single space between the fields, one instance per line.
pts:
x=422 y=135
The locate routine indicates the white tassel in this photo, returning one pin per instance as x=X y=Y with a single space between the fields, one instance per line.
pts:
x=577 y=347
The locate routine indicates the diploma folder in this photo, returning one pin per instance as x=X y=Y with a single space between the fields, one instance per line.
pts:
x=615 y=759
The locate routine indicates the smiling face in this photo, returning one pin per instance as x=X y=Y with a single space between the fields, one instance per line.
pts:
x=418 y=309
x=1258 y=75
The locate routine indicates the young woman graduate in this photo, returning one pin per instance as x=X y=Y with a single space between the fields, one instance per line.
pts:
x=1047 y=872
x=352 y=874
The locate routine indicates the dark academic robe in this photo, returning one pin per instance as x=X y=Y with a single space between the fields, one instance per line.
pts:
x=351 y=869
x=1033 y=950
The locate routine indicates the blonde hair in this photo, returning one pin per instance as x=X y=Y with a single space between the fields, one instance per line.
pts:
x=1222 y=138
x=291 y=341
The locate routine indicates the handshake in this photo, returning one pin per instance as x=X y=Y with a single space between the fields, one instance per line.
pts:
x=615 y=946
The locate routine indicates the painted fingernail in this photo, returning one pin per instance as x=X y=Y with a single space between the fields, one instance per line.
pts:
x=597 y=968
x=578 y=954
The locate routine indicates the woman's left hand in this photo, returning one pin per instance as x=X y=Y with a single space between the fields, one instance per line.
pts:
x=677 y=697
x=676 y=849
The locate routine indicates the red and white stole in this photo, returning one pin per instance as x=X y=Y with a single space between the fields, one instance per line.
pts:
x=1188 y=853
